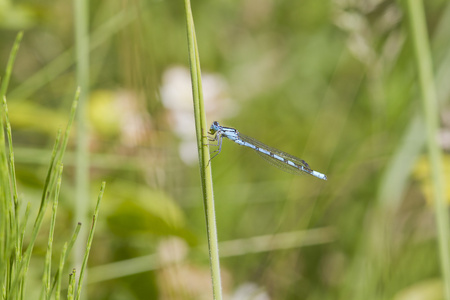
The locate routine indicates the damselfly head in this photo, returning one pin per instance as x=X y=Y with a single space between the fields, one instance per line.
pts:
x=214 y=127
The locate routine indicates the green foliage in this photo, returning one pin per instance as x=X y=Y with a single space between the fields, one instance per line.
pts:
x=16 y=255
x=332 y=82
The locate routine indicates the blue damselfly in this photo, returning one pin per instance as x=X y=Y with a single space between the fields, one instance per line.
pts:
x=280 y=159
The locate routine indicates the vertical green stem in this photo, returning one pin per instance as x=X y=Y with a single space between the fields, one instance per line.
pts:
x=82 y=152
x=66 y=250
x=9 y=228
x=11 y=60
x=5 y=211
x=58 y=275
x=72 y=282
x=46 y=279
x=89 y=241
x=431 y=113
x=203 y=153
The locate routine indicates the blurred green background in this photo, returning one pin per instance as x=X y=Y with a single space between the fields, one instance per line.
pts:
x=332 y=82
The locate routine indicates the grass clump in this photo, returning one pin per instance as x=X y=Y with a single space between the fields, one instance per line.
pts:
x=15 y=256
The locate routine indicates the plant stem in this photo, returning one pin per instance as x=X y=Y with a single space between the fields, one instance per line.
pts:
x=89 y=241
x=82 y=153
x=431 y=114
x=203 y=153
x=12 y=58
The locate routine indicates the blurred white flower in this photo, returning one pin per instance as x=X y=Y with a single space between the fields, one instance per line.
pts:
x=176 y=96
x=250 y=291
x=172 y=250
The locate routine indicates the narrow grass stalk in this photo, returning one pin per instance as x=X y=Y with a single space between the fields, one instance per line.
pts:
x=71 y=289
x=46 y=279
x=57 y=156
x=62 y=261
x=81 y=10
x=5 y=209
x=20 y=276
x=12 y=168
x=12 y=178
x=22 y=234
x=64 y=255
x=22 y=230
x=203 y=153
x=66 y=136
x=89 y=241
x=14 y=215
x=9 y=66
x=74 y=238
x=9 y=223
x=431 y=114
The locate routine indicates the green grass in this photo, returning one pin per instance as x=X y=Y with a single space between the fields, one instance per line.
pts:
x=203 y=153
x=15 y=257
x=336 y=83
x=82 y=177
x=431 y=116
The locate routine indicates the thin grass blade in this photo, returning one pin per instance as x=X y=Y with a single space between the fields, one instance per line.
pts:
x=89 y=242
x=203 y=152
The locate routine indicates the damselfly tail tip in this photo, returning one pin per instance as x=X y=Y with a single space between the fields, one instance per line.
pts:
x=319 y=175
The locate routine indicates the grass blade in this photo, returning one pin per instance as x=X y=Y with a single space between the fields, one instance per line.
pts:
x=9 y=228
x=431 y=115
x=203 y=153
x=12 y=169
x=81 y=14
x=63 y=259
x=90 y=238
x=46 y=279
x=15 y=236
x=9 y=67
x=57 y=156
x=20 y=277
x=71 y=289
x=5 y=212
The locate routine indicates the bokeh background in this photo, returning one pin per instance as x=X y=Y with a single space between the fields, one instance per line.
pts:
x=333 y=82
